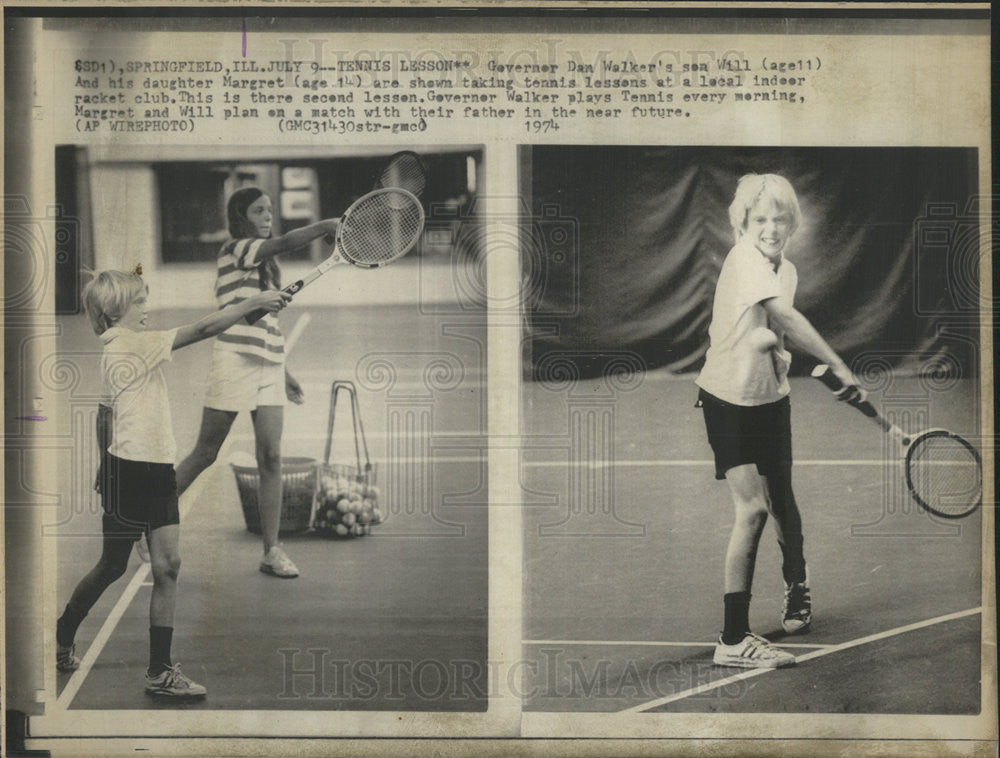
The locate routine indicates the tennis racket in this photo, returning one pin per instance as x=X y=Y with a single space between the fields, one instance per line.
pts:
x=377 y=229
x=944 y=472
x=404 y=170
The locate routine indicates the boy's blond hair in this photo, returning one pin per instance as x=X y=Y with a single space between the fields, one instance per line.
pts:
x=751 y=188
x=108 y=295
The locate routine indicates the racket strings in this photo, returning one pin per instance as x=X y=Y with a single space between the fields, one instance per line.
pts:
x=404 y=172
x=381 y=227
x=945 y=475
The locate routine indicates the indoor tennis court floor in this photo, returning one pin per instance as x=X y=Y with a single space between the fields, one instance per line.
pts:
x=622 y=589
x=391 y=621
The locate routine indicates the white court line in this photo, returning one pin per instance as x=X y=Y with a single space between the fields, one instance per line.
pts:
x=749 y=674
x=312 y=436
x=692 y=462
x=324 y=387
x=138 y=580
x=650 y=643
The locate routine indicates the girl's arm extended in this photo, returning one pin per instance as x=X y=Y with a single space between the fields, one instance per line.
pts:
x=297 y=238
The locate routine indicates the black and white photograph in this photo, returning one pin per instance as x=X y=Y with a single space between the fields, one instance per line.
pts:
x=331 y=477
x=675 y=346
x=498 y=378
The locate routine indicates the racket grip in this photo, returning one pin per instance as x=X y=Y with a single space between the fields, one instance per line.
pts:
x=291 y=289
x=825 y=375
x=255 y=316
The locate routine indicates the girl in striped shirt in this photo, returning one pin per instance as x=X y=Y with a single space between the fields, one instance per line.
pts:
x=248 y=363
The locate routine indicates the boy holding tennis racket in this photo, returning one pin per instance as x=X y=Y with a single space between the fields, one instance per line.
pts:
x=137 y=480
x=744 y=394
x=248 y=363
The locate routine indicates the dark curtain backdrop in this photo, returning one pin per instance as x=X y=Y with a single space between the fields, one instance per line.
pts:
x=884 y=252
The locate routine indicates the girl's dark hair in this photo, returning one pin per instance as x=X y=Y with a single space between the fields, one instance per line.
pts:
x=236 y=211
x=240 y=227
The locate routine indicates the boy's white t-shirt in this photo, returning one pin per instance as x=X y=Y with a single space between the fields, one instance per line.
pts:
x=735 y=371
x=134 y=382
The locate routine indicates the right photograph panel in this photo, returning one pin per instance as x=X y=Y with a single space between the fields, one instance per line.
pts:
x=752 y=425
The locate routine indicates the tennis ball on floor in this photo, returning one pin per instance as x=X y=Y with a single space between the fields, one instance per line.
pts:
x=341 y=530
x=762 y=339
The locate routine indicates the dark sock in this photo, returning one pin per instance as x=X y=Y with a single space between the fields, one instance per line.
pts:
x=793 y=565
x=159 y=648
x=67 y=625
x=737 y=617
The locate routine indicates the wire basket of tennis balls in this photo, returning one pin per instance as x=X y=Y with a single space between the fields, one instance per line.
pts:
x=346 y=499
x=298 y=479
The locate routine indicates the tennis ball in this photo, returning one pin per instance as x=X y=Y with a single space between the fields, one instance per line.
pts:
x=349 y=519
x=341 y=530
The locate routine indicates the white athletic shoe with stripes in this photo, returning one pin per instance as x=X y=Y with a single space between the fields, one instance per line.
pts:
x=752 y=652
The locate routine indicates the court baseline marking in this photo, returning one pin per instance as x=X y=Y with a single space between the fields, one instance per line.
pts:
x=442 y=437
x=750 y=673
x=652 y=643
x=690 y=462
x=138 y=580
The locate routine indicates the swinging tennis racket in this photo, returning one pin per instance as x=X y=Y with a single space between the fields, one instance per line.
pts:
x=377 y=229
x=943 y=471
x=404 y=170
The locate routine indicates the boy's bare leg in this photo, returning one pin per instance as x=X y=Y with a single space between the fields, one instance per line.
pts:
x=165 y=560
x=163 y=678
x=215 y=426
x=751 y=510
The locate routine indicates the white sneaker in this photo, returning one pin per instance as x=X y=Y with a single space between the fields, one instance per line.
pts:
x=172 y=683
x=752 y=652
x=276 y=563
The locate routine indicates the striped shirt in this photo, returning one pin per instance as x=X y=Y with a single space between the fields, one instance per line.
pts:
x=238 y=278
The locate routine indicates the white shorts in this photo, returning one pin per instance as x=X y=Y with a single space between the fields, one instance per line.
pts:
x=238 y=382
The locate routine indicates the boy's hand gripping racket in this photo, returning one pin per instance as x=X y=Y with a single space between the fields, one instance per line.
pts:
x=377 y=229
x=943 y=471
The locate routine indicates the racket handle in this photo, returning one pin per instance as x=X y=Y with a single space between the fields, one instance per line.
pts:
x=825 y=375
x=255 y=316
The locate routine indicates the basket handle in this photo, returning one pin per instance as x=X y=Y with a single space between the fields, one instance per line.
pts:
x=348 y=387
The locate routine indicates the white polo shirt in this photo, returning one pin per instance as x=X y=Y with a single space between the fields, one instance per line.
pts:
x=134 y=382
x=734 y=370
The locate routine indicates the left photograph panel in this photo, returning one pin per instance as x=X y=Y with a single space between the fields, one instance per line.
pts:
x=263 y=501
x=258 y=484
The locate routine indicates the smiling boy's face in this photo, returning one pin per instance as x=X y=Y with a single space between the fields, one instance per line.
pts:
x=137 y=316
x=768 y=227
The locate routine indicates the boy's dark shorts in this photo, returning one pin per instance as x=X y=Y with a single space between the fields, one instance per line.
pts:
x=741 y=434
x=137 y=496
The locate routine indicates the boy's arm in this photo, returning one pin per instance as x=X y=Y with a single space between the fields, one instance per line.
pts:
x=296 y=238
x=804 y=334
x=218 y=322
